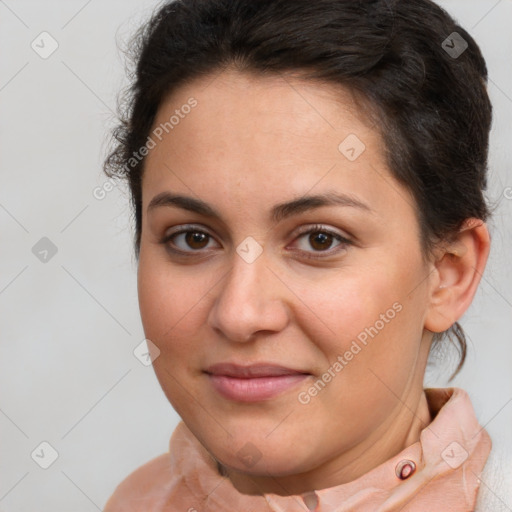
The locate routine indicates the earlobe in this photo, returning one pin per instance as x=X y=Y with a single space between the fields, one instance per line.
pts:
x=458 y=270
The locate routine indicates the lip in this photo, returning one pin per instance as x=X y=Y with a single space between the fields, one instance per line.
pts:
x=250 y=371
x=253 y=383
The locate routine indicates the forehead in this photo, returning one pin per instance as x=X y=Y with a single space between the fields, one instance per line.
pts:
x=277 y=100
x=259 y=138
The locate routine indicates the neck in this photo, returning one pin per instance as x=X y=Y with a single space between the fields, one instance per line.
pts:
x=402 y=430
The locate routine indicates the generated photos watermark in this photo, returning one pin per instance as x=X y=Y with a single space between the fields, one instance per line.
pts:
x=101 y=192
x=357 y=345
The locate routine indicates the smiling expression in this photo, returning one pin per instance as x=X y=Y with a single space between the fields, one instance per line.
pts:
x=265 y=241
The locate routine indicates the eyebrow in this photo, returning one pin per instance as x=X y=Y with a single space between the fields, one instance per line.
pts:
x=278 y=213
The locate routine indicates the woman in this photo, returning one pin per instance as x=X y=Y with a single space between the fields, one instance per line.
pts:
x=307 y=181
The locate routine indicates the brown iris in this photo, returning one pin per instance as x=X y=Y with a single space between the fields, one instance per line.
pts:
x=195 y=237
x=320 y=241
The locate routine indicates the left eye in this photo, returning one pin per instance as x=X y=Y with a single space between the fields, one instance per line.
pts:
x=321 y=239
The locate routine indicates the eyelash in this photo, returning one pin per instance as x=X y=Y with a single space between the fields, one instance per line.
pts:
x=317 y=228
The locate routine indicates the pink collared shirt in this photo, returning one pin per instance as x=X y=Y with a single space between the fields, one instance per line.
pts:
x=441 y=472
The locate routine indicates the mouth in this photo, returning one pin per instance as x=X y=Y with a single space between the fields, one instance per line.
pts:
x=253 y=383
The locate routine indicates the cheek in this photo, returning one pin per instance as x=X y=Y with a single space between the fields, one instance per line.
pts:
x=369 y=318
x=173 y=309
x=351 y=301
x=371 y=361
x=172 y=303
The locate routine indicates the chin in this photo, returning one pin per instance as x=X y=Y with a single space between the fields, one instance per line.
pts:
x=252 y=457
x=275 y=467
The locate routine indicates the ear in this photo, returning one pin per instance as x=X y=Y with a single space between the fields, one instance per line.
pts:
x=458 y=268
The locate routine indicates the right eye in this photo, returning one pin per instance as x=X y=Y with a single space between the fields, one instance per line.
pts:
x=187 y=240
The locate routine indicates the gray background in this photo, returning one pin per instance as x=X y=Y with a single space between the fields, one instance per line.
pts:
x=68 y=375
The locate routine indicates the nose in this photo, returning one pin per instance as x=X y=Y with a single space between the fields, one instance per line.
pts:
x=249 y=300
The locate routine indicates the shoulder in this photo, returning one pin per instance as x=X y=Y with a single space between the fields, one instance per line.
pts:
x=166 y=482
x=137 y=491
x=495 y=492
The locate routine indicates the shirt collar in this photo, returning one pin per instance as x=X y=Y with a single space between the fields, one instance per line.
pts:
x=441 y=470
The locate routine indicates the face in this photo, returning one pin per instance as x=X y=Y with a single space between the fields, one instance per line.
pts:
x=333 y=287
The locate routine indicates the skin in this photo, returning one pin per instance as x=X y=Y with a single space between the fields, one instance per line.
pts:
x=249 y=144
